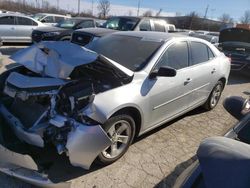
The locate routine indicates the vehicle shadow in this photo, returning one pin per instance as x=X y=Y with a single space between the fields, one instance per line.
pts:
x=199 y=110
x=170 y=180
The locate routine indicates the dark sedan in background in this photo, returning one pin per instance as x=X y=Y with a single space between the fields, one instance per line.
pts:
x=63 y=30
x=235 y=43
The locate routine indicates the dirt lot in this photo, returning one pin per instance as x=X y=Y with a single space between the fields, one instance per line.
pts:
x=157 y=158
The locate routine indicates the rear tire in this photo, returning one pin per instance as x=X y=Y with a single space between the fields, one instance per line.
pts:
x=121 y=130
x=214 y=96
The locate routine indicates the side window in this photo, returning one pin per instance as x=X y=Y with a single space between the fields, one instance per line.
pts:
x=86 y=24
x=58 y=19
x=24 y=21
x=7 y=20
x=48 y=19
x=159 y=26
x=199 y=53
x=145 y=25
x=34 y=23
x=210 y=53
x=176 y=56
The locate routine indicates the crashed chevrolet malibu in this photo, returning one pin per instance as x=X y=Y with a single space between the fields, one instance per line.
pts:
x=90 y=103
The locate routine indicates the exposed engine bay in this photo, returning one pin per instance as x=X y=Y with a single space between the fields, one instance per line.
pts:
x=49 y=112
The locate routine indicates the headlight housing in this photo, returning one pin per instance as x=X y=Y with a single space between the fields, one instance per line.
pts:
x=51 y=34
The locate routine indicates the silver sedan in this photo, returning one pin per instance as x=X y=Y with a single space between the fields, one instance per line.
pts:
x=90 y=104
x=17 y=27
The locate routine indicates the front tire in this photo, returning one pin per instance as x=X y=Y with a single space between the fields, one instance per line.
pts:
x=214 y=96
x=121 y=131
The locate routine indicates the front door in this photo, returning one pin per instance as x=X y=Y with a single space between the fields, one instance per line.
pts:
x=169 y=96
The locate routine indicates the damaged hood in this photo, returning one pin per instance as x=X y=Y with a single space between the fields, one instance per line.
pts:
x=59 y=58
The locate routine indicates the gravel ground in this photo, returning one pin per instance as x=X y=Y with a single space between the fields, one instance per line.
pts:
x=157 y=158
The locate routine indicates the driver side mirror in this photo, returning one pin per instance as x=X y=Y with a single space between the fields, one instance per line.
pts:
x=164 y=72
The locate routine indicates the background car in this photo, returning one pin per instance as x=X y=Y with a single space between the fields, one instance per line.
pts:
x=207 y=37
x=17 y=28
x=49 y=19
x=63 y=30
x=129 y=23
x=121 y=23
x=235 y=43
x=85 y=36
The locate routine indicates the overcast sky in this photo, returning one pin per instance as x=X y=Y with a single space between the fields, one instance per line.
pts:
x=170 y=7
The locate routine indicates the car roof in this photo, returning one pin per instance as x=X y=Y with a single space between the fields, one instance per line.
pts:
x=12 y=14
x=50 y=14
x=150 y=35
x=17 y=14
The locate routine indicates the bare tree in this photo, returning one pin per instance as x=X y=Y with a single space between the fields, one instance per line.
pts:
x=158 y=13
x=245 y=19
x=104 y=8
x=226 y=18
x=148 y=13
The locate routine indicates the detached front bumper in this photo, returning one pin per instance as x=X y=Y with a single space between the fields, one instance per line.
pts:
x=83 y=145
x=23 y=167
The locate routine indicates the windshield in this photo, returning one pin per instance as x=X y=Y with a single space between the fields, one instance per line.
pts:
x=131 y=52
x=38 y=17
x=235 y=35
x=68 y=23
x=121 y=24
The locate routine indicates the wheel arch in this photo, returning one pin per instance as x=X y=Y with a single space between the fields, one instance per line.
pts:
x=135 y=113
x=223 y=80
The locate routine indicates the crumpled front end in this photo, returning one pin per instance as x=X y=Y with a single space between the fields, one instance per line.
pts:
x=43 y=117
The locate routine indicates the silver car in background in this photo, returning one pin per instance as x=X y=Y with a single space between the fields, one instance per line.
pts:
x=49 y=19
x=17 y=27
x=90 y=104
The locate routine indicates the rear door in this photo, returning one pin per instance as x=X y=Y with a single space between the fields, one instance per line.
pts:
x=204 y=69
x=7 y=28
x=24 y=28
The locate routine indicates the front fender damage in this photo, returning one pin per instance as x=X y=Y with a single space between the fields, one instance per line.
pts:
x=85 y=143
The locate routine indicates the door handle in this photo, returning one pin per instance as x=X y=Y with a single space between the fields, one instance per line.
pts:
x=213 y=71
x=12 y=28
x=188 y=80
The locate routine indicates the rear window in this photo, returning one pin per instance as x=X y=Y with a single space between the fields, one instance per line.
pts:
x=59 y=19
x=86 y=24
x=7 y=20
x=25 y=21
x=200 y=53
x=121 y=23
x=159 y=26
x=129 y=51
